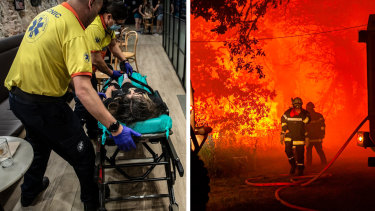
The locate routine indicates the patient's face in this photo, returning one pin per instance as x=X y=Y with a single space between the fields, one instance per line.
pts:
x=132 y=93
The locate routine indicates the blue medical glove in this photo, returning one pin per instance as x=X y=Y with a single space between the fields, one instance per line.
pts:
x=126 y=68
x=102 y=95
x=116 y=74
x=124 y=140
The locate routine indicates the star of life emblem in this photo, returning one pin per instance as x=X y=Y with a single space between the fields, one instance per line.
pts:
x=86 y=57
x=37 y=28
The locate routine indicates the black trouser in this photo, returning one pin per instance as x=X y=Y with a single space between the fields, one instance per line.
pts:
x=84 y=116
x=319 y=149
x=54 y=126
x=300 y=151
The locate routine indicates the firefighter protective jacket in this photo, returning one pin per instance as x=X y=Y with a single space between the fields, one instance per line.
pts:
x=295 y=124
x=316 y=127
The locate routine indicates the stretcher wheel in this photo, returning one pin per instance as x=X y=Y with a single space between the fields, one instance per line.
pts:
x=200 y=180
x=173 y=207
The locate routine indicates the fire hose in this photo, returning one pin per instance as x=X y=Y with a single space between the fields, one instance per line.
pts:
x=305 y=179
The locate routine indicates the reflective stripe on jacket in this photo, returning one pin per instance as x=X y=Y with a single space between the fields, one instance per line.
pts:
x=296 y=143
x=295 y=125
x=315 y=140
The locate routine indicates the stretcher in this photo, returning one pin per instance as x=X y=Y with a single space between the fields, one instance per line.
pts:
x=154 y=131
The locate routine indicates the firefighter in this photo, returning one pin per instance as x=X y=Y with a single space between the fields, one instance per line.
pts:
x=316 y=132
x=293 y=133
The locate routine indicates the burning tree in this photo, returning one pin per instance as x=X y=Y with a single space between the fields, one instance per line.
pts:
x=231 y=94
x=236 y=19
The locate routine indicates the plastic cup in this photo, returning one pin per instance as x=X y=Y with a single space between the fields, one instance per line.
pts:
x=6 y=159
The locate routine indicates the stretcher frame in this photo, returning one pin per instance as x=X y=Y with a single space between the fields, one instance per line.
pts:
x=168 y=158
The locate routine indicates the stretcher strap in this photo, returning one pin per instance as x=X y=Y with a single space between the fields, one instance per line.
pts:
x=105 y=131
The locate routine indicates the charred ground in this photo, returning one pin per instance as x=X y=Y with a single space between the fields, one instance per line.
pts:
x=350 y=187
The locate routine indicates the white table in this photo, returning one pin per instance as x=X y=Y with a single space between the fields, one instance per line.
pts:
x=22 y=158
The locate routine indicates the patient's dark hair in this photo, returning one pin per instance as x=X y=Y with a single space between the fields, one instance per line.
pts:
x=130 y=110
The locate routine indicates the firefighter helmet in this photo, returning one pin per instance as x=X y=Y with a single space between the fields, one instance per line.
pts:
x=297 y=102
x=310 y=106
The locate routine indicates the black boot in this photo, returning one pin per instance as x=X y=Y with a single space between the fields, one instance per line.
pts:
x=28 y=200
x=90 y=206
x=300 y=170
x=293 y=166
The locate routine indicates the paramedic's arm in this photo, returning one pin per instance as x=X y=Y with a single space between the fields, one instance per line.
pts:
x=99 y=62
x=116 y=51
x=90 y=99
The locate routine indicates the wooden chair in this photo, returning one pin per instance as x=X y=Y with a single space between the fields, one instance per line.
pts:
x=129 y=47
x=119 y=39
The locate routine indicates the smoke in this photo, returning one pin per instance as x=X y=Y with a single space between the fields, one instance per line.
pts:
x=314 y=53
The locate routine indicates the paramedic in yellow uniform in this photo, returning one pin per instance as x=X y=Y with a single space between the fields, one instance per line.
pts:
x=53 y=53
x=100 y=35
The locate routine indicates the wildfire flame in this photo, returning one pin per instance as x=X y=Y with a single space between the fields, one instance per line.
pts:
x=315 y=56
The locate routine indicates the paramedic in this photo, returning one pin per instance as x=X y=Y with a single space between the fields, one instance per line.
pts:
x=100 y=35
x=293 y=134
x=53 y=53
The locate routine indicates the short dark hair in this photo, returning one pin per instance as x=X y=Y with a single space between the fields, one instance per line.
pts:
x=116 y=8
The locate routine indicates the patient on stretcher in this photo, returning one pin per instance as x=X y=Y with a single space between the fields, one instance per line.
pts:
x=130 y=104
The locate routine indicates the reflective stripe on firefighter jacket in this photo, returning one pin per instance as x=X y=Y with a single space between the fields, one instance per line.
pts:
x=316 y=127
x=315 y=140
x=295 y=143
x=295 y=125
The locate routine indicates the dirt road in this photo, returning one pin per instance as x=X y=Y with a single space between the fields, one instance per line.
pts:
x=350 y=187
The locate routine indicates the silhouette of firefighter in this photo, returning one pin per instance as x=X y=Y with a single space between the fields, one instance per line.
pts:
x=293 y=133
x=315 y=135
